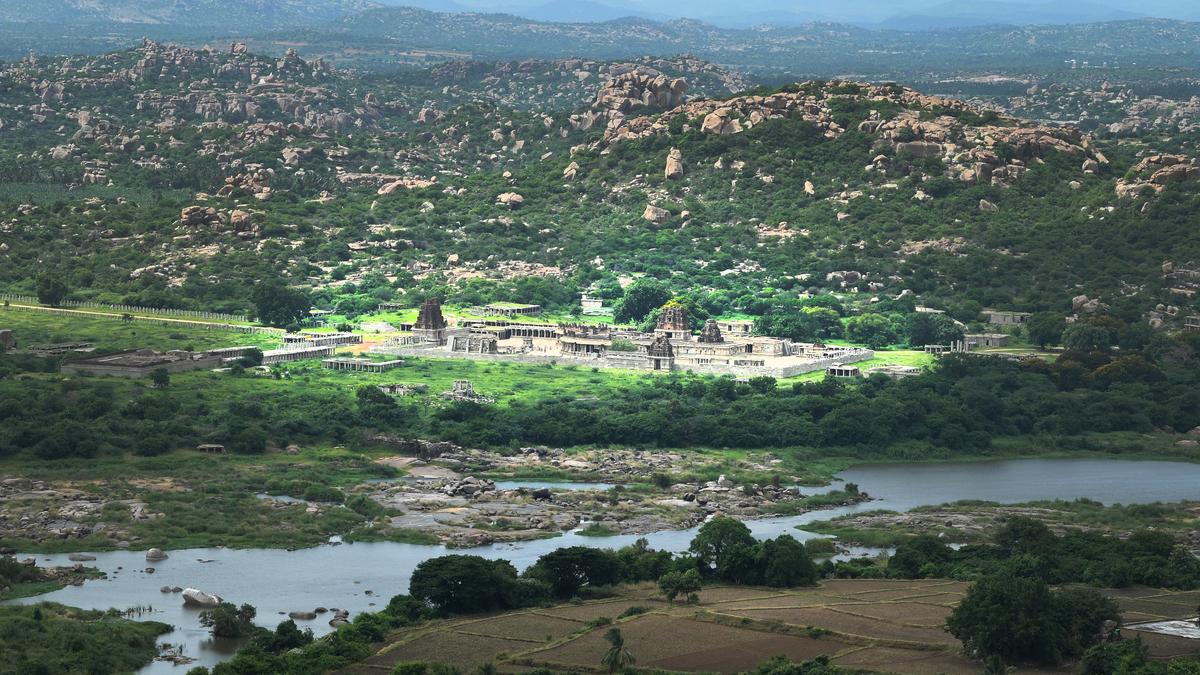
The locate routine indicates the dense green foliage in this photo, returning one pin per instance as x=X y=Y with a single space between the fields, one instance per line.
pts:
x=723 y=550
x=1018 y=619
x=1148 y=557
x=52 y=639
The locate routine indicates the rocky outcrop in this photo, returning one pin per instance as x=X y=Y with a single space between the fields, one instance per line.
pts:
x=510 y=199
x=721 y=122
x=674 y=169
x=641 y=89
x=1156 y=173
x=656 y=214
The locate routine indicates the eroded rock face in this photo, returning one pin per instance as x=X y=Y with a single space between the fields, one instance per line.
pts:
x=1155 y=173
x=640 y=89
x=995 y=154
x=674 y=169
x=656 y=214
x=510 y=199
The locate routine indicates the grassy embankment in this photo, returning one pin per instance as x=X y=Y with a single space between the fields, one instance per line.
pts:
x=974 y=521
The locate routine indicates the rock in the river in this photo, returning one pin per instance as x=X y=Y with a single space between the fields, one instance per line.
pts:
x=193 y=597
x=156 y=554
x=302 y=616
x=80 y=557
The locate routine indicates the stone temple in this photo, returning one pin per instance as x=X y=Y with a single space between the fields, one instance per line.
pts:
x=720 y=348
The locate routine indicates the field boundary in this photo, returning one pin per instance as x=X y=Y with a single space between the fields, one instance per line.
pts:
x=160 y=321
x=778 y=627
x=130 y=309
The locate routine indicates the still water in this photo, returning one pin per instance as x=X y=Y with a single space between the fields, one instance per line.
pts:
x=362 y=577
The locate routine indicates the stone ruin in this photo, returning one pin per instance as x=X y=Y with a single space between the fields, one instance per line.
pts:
x=463 y=390
x=711 y=333
x=661 y=348
x=431 y=324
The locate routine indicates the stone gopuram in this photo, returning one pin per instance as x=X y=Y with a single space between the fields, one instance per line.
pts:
x=673 y=322
x=431 y=324
x=711 y=333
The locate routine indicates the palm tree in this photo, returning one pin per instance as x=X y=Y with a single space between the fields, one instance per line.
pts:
x=617 y=657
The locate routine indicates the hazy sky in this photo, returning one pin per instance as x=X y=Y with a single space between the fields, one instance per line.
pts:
x=1015 y=11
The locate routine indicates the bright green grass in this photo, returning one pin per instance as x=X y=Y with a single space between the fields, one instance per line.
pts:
x=110 y=334
x=899 y=357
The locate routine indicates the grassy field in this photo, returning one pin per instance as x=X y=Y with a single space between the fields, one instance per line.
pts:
x=898 y=357
x=873 y=625
x=110 y=334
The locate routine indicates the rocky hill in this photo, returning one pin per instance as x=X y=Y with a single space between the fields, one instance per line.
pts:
x=177 y=176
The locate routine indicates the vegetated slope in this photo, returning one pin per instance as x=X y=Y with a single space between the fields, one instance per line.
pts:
x=192 y=173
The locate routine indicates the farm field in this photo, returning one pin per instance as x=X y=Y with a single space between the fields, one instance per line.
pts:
x=875 y=625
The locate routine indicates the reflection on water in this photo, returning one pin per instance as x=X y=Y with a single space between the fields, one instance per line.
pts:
x=278 y=581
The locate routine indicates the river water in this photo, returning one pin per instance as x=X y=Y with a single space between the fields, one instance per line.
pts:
x=362 y=577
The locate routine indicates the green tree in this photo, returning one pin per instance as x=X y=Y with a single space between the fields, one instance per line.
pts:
x=926 y=328
x=617 y=657
x=1045 y=329
x=51 y=290
x=676 y=583
x=873 y=330
x=160 y=378
x=228 y=621
x=640 y=298
x=1085 y=337
x=459 y=584
x=1009 y=617
x=278 y=305
x=723 y=546
x=785 y=563
x=569 y=569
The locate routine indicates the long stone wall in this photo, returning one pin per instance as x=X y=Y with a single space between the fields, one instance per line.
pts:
x=616 y=360
x=205 y=325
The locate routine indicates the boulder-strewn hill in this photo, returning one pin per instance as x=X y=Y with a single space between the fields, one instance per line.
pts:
x=167 y=175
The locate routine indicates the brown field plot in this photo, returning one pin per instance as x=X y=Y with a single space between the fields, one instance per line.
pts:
x=873 y=625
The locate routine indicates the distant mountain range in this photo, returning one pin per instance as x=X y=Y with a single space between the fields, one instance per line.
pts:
x=899 y=14
x=896 y=14
x=242 y=14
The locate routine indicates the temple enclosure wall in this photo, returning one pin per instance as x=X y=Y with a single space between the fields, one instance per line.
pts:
x=617 y=360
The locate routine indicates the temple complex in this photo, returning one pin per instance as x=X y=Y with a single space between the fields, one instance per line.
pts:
x=671 y=346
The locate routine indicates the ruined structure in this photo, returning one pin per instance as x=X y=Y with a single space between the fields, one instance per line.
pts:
x=671 y=346
x=431 y=325
x=7 y=341
x=142 y=363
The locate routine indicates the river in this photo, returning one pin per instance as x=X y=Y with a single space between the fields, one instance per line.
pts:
x=362 y=577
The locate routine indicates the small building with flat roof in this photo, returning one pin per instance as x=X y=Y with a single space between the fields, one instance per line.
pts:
x=984 y=340
x=1005 y=318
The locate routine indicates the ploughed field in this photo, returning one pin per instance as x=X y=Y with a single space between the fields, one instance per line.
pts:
x=876 y=625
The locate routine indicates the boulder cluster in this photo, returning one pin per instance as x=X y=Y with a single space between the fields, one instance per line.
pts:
x=1154 y=173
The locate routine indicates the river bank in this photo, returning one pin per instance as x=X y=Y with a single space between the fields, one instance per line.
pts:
x=301 y=498
x=360 y=577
